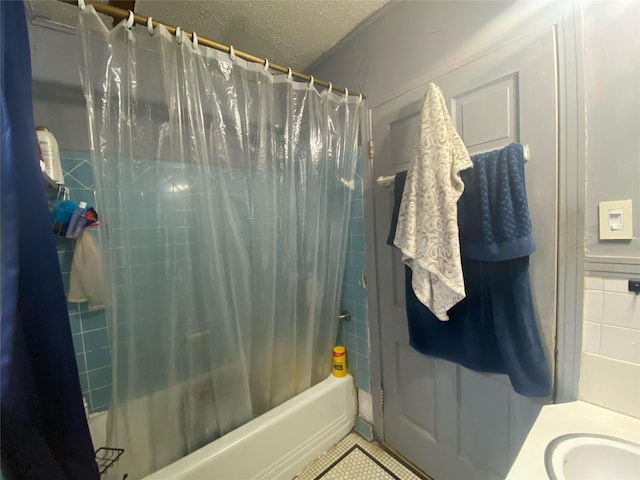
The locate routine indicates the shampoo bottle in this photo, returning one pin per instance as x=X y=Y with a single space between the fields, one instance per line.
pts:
x=76 y=224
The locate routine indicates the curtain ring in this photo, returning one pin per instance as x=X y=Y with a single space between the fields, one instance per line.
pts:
x=330 y=88
x=130 y=20
x=232 y=52
x=81 y=4
x=289 y=73
x=311 y=80
x=266 y=64
x=150 y=25
x=346 y=94
x=194 y=39
x=179 y=35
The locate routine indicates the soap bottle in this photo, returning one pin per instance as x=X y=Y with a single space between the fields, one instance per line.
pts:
x=76 y=224
x=49 y=154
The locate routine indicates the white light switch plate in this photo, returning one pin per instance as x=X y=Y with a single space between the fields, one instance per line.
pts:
x=616 y=220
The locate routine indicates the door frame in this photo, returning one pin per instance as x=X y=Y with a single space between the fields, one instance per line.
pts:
x=571 y=198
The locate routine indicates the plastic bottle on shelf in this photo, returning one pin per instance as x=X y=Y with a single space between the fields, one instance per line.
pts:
x=76 y=224
x=50 y=154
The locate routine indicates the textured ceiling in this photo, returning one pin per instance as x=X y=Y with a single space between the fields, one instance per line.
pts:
x=293 y=33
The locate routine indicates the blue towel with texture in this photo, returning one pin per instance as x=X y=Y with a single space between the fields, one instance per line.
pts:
x=494 y=328
x=493 y=213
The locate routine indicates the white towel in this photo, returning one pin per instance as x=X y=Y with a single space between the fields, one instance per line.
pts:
x=86 y=283
x=427 y=231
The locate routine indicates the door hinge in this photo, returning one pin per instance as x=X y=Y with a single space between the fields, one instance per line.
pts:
x=371 y=149
x=381 y=397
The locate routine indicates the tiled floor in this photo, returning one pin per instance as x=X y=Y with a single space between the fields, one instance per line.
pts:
x=353 y=459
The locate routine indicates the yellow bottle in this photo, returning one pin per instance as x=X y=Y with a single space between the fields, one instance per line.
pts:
x=339 y=361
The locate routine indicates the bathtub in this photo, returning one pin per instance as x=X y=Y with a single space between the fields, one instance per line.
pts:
x=276 y=445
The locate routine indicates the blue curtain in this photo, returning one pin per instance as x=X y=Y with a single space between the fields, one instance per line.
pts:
x=44 y=430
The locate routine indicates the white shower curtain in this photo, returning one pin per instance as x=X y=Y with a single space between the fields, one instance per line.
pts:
x=223 y=195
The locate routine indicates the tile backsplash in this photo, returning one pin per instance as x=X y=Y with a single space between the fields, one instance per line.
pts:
x=610 y=374
x=90 y=336
x=354 y=335
x=89 y=328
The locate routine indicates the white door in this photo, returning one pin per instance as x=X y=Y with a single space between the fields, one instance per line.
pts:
x=452 y=422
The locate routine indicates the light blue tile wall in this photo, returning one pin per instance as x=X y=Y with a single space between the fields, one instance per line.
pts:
x=89 y=328
x=90 y=336
x=354 y=335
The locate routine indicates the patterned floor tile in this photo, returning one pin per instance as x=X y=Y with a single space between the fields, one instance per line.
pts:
x=354 y=458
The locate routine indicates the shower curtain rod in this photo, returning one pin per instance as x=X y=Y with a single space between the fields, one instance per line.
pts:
x=120 y=14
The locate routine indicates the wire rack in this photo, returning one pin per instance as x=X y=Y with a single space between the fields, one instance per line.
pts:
x=106 y=457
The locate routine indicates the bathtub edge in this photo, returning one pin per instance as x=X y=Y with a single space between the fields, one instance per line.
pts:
x=280 y=443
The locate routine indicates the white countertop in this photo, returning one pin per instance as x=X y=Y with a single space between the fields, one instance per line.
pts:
x=563 y=418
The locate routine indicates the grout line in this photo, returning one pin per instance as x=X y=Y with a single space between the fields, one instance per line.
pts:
x=98 y=368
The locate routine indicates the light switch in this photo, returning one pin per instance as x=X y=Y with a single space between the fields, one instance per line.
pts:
x=616 y=220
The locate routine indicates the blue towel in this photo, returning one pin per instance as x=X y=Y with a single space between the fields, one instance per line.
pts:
x=494 y=328
x=493 y=213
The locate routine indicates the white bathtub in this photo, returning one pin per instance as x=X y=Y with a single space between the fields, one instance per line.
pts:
x=276 y=445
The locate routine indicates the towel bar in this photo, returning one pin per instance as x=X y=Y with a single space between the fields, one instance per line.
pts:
x=387 y=181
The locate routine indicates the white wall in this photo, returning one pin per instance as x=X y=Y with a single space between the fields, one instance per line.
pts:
x=58 y=100
x=409 y=43
x=610 y=373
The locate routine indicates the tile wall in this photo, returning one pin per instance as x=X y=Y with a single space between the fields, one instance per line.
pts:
x=610 y=374
x=89 y=328
x=354 y=335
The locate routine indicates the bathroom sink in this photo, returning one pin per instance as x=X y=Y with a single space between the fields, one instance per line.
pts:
x=592 y=457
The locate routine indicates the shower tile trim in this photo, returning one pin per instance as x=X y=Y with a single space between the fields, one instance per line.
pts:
x=354 y=335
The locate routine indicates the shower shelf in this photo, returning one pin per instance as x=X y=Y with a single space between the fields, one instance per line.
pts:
x=54 y=188
x=106 y=457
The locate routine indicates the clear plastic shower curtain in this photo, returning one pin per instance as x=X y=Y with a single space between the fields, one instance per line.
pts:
x=224 y=196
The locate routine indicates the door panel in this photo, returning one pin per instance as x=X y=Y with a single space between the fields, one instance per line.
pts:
x=486 y=116
x=416 y=388
x=452 y=422
x=401 y=133
x=484 y=407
